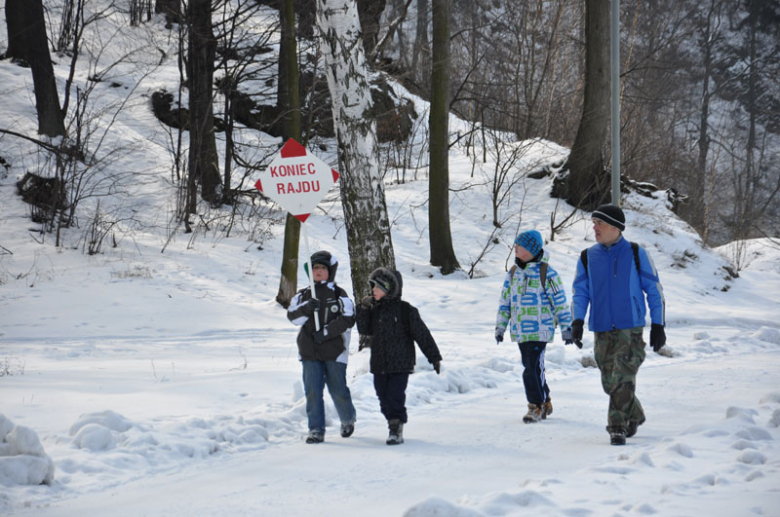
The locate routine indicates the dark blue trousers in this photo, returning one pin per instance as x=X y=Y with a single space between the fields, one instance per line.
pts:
x=391 y=390
x=536 y=389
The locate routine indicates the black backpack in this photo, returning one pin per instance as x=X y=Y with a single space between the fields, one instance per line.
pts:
x=634 y=248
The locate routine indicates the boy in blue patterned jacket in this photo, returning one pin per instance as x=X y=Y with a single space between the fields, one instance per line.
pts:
x=533 y=302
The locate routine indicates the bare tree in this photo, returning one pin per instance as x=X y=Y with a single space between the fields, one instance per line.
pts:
x=203 y=157
x=588 y=182
x=440 y=237
x=28 y=40
x=369 y=12
x=421 y=52
x=710 y=35
x=290 y=103
x=171 y=9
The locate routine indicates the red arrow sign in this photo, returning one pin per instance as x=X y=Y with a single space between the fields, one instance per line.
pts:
x=296 y=180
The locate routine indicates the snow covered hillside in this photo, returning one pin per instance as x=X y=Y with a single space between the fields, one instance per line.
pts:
x=159 y=377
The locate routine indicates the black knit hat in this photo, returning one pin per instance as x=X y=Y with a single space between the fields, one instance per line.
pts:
x=324 y=258
x=612 y=215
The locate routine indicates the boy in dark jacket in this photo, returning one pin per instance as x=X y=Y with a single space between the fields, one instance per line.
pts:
x=324 y=352
x=394 y=326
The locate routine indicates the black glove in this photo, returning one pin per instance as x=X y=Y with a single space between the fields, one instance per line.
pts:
x=437 y=367
x=499 y=336
x=312 y=306
x=319 y=337
x=657 y=337
x=576 y=332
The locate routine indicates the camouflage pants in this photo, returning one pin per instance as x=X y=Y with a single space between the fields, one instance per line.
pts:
x=619 y=354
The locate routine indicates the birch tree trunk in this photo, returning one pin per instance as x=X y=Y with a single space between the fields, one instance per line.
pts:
x=361 y=187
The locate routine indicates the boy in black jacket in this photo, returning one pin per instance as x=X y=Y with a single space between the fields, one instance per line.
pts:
x=394 y=325
x=324 y=353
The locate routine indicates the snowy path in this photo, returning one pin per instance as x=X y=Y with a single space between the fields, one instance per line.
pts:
x=472 y=450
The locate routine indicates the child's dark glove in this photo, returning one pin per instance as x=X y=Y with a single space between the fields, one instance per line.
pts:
x=657 y=337
x=319 y=337
x=312 y=306
x=437 y=367
x=499 y=336
x=567 y=337
x=576 y=332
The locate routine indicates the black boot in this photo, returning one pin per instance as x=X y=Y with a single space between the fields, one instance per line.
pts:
x=617 y=438
x=347 y=430
x=315 y=437
x=632 y=427
x=396 y=435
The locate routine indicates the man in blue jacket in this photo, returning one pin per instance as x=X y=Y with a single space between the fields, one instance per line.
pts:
x=614 y=278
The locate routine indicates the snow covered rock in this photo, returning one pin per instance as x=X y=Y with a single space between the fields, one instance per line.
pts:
x=108 y=419
x=94 y=437
x=775 y=420
x=768 y=335
x=22 y=458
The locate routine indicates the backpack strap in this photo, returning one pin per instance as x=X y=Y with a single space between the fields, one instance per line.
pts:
x=584 y=260
x=542 y=278
x=635 y=249
x=542 y=274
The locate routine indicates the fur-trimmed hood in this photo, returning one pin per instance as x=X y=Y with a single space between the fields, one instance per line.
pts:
x=388 y=280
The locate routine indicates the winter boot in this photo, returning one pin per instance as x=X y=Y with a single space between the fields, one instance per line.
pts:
x=315 y=437
x=347 y=430
x=534 y=414
x=396 y=435
x=547 y=409
x=632 y=428
x=617 y=438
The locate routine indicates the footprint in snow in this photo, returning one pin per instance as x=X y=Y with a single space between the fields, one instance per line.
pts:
x=746 y=415
x=741 y=445
x=751 y=457
x=681 y=449
x=753 y=433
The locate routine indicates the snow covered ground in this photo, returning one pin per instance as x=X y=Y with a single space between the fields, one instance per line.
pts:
x=167 y=383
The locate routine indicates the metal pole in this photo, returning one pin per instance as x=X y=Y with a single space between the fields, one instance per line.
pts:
x=615 y=72
x=311 y=275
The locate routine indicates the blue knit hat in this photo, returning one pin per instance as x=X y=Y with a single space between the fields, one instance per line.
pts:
x=530 y=240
